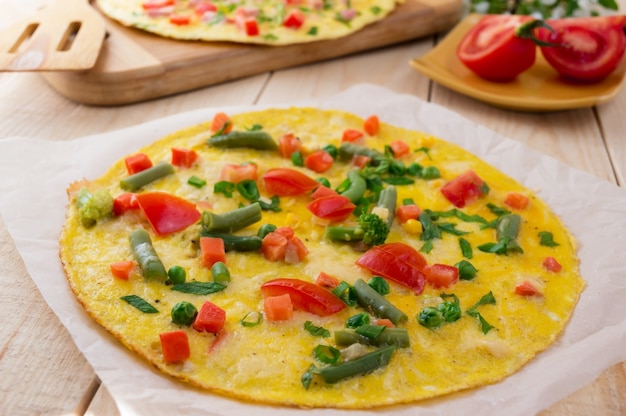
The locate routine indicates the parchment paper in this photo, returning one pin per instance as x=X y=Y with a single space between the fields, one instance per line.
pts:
x=33 y=208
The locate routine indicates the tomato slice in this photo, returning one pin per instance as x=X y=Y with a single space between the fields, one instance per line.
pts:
x=493 y=51
x=590 y=48
x=304 y=295
x=319 y=161
x=167 y=213
x=288 y=182
x=335 y=208
x=288 y=144
x=464 y=189
x=398 y=262
x=441 y=275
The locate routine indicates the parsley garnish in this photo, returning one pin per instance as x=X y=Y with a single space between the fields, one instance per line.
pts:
x=199 y=288
x=139 y=303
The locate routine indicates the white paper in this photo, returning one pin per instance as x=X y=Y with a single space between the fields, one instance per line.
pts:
x=593 y=210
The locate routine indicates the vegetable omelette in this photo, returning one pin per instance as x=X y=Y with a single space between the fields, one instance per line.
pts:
x=269 y=22
x=311 y=258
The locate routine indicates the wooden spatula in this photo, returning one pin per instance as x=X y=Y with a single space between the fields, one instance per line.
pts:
x=66 y=35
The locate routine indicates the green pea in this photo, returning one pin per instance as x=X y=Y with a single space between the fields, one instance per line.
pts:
x=450 y=311
x=431 y=172
x=184 y=313
x=430 y=317
x=176 y=274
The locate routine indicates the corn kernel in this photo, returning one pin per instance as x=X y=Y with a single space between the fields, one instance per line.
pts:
x=412 y=226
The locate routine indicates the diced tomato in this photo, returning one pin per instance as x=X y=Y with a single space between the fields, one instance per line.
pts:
x=137 y=162
x=212 y=250
x=400 y=148
x=205 y=7
x=319 y=161
x=327 y=281
x=211 y=318
x=527 y=288
x=123 y=269
x=294 y=19
x=407 y=212
x=464 y=189
x=352 y=136
x=334 y=208
x=441 y=275
x=156 y=4
x=384 y=322
x=245 y=19
x=167 y=213
x=371 y=125
x=304 y=295
x=288 y=182
x=180 y=19
x=175 y=346
x=221 y=123
x=234 y=173
x=289 y=144
x=183 y=158
x=516 y=200
x=360 y=161
x=278 y=308
x=274 y=246
x=551 y=264
x=286 y=232
x=296 y=251
x=125 y=201
x=323 y=191
x=398 y=262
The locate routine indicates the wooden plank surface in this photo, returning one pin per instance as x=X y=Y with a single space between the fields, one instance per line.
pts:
x=136 y=66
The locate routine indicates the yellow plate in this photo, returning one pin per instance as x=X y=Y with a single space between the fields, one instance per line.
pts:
x=537 y=89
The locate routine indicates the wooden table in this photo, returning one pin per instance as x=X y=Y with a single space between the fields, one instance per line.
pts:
x=42 y=371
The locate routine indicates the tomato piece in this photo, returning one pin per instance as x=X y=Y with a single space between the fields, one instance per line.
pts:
x=294 y=19
x=278 y=308
x=400 y=148
x=274 y=246
x=180 y=19
x=289 y=144
x=407 y=212
x=371 y=125
x=589 y=48
x=304 y=295
x=398 y=263
x=125 y=201
x=464 y=189
x=492 y=49
x=245 y=19
x=212 y=250
x=335 y=208
x=384 y=322
x=175 y=346
x=319 y=161
x=551 y=264
x=527 y=288
x=138 y=162
x=234 y=173
x=205 y=7
x=156 y=4
x=183 y=158
x=123 y=269
x=360 y=161
x=352 y=136
x=288 y=182
x=516 y=200
x=167 y=213
x=221 y=123
x=210 y=318
x=326 y=281
x=441 y=275
x=323 y=191
x=295 y=251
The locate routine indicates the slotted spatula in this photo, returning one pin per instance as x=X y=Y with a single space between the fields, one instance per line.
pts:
x=66 y=35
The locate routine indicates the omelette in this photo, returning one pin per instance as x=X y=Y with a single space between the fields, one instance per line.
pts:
x=267 y=22
x=312 y=258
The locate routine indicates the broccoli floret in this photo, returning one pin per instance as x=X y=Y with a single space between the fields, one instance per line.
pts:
x=372 y=230
x=93 y=206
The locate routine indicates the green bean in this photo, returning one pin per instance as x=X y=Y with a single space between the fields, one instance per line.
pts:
x=348 y=150
x=360 y=366
x=146 y=257
x=140 y=179
x=255 y=139
x=390 y=336
x=357 y=186
x=232 y=220
x=220 y=273
x=236 y=242
x=372 y=301
x=387 y=199
x=342 y=233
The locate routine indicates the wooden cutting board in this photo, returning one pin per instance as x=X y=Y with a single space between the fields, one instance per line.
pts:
x=136 y=66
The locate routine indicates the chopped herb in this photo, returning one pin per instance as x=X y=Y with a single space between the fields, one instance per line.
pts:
x=430 y=230
x=379 y=284
x=271 y=205
x=224 y=187
x=139 y=303
x=297 y=159
x=487 y=299
x=199 y=288
x=467 y=271
x=450 y=228
x=196 y=181
x=312 y=31
x=317 y=331
x=375 y=10
x=255 y=127
x=546 y=239
x=499 y=211
x=427 y=247
x=466 y=248
x=307 y=377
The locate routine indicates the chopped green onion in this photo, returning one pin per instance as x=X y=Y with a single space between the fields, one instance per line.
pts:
x=546 y=239
x=248 y=189
x=358 y=320
x=326 y=354
x=252 y=318
x=224 y=187
x=196 y=181
x=466 y=248
x=370 y=331
x=346 y=293
x=379 y=284
x=316 y=331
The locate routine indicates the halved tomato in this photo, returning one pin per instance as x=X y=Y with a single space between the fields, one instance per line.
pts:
x=335 y=208
x=304 y=295
x=288 y=182
x=464 y=189
x=167 y=213
x=441 y=275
